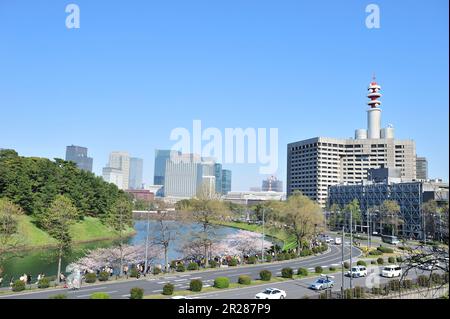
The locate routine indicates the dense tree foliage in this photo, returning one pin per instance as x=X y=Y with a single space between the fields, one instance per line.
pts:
x=33 y=183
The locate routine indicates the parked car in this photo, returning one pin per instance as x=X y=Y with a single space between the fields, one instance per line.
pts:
x=271 y=293
x=391 y=271
x=357 y=271
x=338 y=241
x=322 y=283
x=430 y=265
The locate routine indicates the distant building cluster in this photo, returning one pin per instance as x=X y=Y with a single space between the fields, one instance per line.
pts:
x=272 y=184
x=124 y=171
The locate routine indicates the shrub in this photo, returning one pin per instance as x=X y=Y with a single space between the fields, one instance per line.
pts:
x=361 y=263
x=281 y=257
x=192 y=266
x=136 y=293
x=445 y=277
x=103 y=276
x=399 y=259
x=302 y=272
x=90 y=278
x=391 y=260
x=43 y=283
x=305 y=252
x=181 y=268
x=58 y=296
x=265 y=275
x=316 y=250
x=407 y=284
x=18 y=285
x=324 y=247
x=244 y=280
x=346 y=265
x=331 y=268
x=156 y=270
x=380 y=261
x=168 y=289
x=134 y=273
x=394 y=285
x=233 y=262
x=385 y=250
x=436 y=278
x=287 y=272
x=293 y=255
x=252 y=260
x=376 y=291
x=358 y=292
x=221 y=282
x=100 y=295
x=423 y=281
x=269 y=258
x=373 y=262
x=348 y=293
x=318 y=270
x=213 y=264
x=375 y=252
x=196 y=285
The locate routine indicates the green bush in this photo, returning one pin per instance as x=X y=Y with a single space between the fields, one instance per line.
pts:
x=44 y=283
x=380 y=261
x=287 y=272
x=391 y=260
x=305 y=252
x=90 y=278
x=181 y=268
x=100 y=295
x=346 y=265
x=376 y=291
x=136 y=293
x=103 y=276
x=445 y=277
x=168 y=289
x=324 y=247
x=156 y=271
x=332 y=268
x=436 y=278
x=196 y=285
x=375 y=252
x=373 y=262
x=269 y=258
x=213 y=264
x=407 y=284
x=358 y=292
x=192 y=266
x=293 y=255
x=18 y=285
x=361 y=263
x=394 y=285
x=58 y=296
x=318 y=270
x=399 y=259
x=233 y=262
x=287 y=256
x=423 y=281
x=252 y=260
x=221 y=282
x=302 y=271
x=316 y=250
x=281 y=257
x=385 y=250
x=244 y=280
x=265 y=275
x=134 y=273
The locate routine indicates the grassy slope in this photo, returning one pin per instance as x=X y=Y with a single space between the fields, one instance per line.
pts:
x=90 y=229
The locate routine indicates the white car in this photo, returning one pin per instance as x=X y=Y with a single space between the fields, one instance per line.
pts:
x=338 y=241
x=391 y=271
x=357 y=271
x=271 y=293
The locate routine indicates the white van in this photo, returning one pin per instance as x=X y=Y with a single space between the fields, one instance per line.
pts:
x=392 y=271
x=338 y=241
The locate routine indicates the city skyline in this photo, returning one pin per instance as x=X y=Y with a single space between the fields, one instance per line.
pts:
x=320 y=78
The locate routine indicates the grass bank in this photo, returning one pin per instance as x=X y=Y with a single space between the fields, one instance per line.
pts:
x=88 y=230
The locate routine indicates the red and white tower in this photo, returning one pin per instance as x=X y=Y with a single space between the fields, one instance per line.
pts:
x=374 y=112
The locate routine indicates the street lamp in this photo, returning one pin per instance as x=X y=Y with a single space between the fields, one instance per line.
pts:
x=263 y=234
x=146 y=243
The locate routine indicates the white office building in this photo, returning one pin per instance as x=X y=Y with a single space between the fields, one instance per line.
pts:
x=118 y=162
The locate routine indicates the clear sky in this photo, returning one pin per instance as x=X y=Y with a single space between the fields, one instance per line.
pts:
x=135 y=70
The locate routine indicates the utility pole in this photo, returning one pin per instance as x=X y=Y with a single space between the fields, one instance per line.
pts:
x=263 y=234
x=351 y=247
x=342 y=262
x=146 y=243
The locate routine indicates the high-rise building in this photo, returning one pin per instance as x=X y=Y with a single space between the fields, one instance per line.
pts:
x=161 y=157
x=79 y=155
x=136 y=173
x=272 y=184
x=183 y=176
x=218 y=174
x=119 y=164
x=317 y=163
x=421 y=168
x=226 y=181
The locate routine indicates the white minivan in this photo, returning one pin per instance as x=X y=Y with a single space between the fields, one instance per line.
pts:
x=391 y=271
x=338 y=241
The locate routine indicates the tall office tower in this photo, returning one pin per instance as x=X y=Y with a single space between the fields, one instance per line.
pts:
x=79 y=155
x=421 y=168
x=136 y=173
x=161 y=157
x=272 y=184
x=183 y=177
x=209 y=175
x=118 y=161
x=218 y=174
x=317 y=163
x=226 y=181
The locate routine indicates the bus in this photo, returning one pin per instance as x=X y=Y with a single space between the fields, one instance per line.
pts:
x=393 y=240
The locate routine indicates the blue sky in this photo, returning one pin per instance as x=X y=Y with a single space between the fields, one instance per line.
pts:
x=135 y=70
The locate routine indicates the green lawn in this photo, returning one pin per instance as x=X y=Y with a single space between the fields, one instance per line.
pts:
x=90 y=229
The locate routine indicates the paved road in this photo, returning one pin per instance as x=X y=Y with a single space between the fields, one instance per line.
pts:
x=153 y=285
